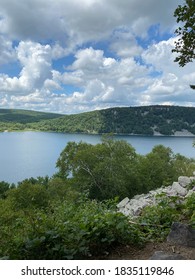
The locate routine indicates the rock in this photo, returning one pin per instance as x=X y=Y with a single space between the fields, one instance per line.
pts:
x=134 y=206
x=184 y=181
x=181 y=234
x=126 y=212
x=123 y=202
x=160 y=255
x=138 y=196
x=177 y=189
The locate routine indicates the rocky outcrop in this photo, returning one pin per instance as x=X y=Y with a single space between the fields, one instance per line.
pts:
x=180 y=234
x=133 y=207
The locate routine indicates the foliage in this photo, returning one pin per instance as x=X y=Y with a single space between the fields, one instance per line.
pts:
x=73 y=214
x=83 y=228
x=157 y=219
x=156 y=168
x=113 y=168
x=185 y=46
x=25 y=116
x=104 y=170
x=144 y=120
x=190 y=209
x=29 y=196
x=4 y=188
x=134 y=120
x=64 y=231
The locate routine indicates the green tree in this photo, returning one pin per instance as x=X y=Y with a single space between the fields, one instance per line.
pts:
x=29 y=196
x=104 y=170
x=183 y=166
x=156 y=168
x=185 y=45
x=4 y=187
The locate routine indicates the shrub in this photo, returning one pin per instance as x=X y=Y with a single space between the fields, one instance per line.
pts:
x=157 y=219
x=70 y=231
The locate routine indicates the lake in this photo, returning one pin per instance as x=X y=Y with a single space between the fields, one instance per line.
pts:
x=32 y=154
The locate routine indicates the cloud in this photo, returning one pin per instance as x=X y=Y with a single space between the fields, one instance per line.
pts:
x=81 y=21
x=35 y=60
x=171 y=86
x=124 y=44
x=7 y=52
x=78 y=55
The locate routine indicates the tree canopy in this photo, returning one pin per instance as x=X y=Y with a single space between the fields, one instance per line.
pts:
x=185 y=45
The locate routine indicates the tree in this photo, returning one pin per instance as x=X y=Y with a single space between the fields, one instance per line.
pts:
x=185 y=46
x=4 y=187
x=104 y=170
x=156 y=168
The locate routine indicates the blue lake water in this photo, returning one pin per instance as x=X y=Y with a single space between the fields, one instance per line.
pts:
x=32 y=154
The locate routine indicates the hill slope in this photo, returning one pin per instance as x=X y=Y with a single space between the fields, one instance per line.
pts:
x=146 y=120
x=13 y=119
x=25 y=116
x=143 y=120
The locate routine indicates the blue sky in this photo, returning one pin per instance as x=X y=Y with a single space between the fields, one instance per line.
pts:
x=71 y=56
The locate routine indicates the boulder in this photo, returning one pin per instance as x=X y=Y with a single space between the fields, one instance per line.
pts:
x=184 y=181
x=123 y=202
x=182 y=234
x=176 y=190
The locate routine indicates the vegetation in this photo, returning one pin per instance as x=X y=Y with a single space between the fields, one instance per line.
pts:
x=185 y=45
x=145 y=120
x=11 y=119
x=73 y=214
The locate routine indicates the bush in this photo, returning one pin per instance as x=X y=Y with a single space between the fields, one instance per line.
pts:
x=70 y=231
x=157 y=219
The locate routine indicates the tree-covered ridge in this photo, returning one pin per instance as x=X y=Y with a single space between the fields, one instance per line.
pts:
x=25 y=116
x=143 y=120
x=146 y=120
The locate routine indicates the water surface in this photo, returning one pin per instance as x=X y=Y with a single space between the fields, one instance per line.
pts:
x=32 y=154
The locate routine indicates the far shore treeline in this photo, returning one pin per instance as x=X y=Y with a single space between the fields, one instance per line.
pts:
x=144 y=120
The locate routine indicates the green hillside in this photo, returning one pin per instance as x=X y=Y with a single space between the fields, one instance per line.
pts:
x=143 y=120
x=25 y=116
x=13 y=119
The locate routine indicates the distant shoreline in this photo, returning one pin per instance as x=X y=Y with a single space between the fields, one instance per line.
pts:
x=156 y=134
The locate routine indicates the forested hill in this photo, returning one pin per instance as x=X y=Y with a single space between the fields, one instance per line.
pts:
x=145 y=120
x=15 y=119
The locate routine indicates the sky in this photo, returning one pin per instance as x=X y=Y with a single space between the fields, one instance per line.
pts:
x=72 y=56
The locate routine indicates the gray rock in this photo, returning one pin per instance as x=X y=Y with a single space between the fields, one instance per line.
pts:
x=184 y=181
x=127 y=212
x=138 y=196
x=160 y=255
x=123 y=202
x=134 y=206
x=177 y=189
x=181 y=234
